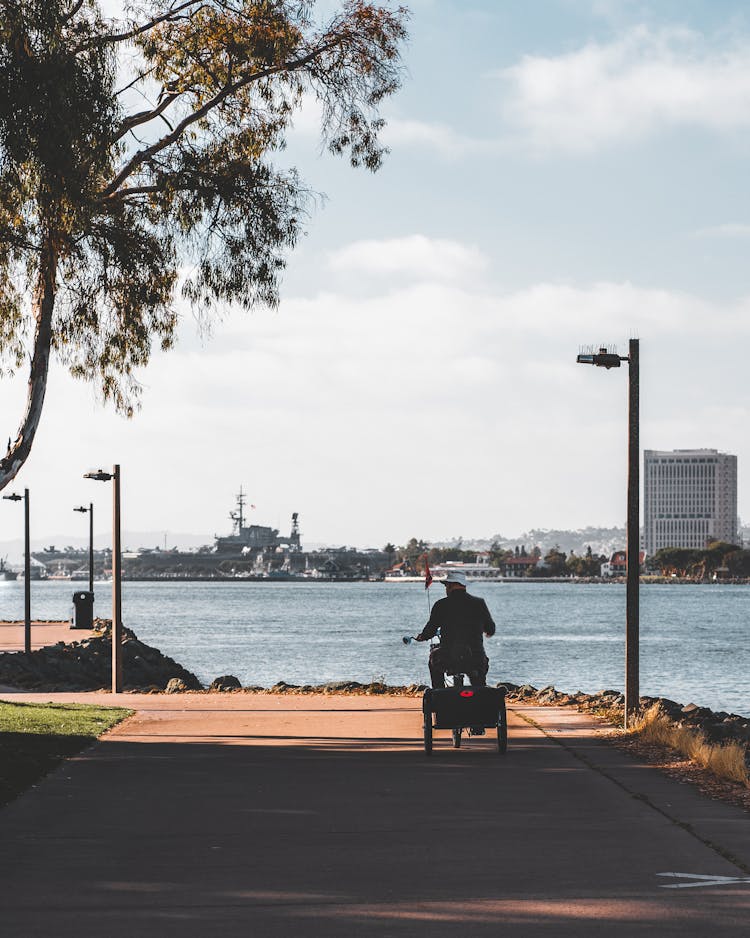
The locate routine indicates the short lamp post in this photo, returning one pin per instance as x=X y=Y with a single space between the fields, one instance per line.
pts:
x=606 y=359
x=90 y=510
x=100 y=476
x=26 y=569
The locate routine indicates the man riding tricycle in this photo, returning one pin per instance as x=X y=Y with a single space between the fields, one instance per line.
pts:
x=468 y=705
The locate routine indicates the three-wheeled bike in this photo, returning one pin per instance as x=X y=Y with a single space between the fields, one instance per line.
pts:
x=465 y=709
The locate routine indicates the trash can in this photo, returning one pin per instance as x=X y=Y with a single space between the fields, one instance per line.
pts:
x=83 y=610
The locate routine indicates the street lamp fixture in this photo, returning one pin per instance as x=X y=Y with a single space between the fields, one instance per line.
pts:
x=100 y=475
x=608 y=358
x=604 y=358
x=90 y=510
x=15 y=497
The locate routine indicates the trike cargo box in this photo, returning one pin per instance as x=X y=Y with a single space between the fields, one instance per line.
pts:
x=454 y=707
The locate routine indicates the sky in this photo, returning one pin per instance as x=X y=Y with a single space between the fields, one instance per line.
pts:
x=562 y=173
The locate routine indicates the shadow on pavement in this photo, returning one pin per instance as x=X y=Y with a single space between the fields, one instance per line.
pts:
x=25 y=758
x=339 y=836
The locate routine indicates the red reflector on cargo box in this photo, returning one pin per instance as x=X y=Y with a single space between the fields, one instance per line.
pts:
x=467 y=693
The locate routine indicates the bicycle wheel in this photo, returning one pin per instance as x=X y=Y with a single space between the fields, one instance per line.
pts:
x=502 y=729
x=457 y=738
x=428 y=733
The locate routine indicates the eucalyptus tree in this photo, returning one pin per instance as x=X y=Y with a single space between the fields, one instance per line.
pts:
x=136 y=159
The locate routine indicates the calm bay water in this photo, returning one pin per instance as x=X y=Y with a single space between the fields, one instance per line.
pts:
x=695 y=640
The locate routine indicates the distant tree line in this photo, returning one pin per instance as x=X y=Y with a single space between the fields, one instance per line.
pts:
x=718 y=558
x=559 y=564
x=556 y=563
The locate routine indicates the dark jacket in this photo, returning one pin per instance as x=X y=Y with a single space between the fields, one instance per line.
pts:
x=462 y=619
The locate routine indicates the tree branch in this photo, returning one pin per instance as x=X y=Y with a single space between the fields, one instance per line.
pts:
x=143 y=117
x=139 y=77
x=23 y=244
x=76 y=7
x=136 y=190
x=143 y=28
x=143 y=155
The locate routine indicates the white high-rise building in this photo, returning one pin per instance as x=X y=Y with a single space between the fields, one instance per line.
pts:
x=690 y=498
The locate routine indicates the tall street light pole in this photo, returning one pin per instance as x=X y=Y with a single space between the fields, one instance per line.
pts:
x=100 y=476
x=90 y=511
x=610 y=359
x=632 y=627
x=26 y=568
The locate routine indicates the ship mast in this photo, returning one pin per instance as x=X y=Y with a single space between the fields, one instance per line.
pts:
x=294 y=538
x=238 y=516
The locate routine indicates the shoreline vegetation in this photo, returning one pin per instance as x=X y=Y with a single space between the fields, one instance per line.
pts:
x=717 y=741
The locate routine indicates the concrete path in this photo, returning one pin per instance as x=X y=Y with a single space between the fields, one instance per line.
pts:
x=42 y=634
x=252 y=815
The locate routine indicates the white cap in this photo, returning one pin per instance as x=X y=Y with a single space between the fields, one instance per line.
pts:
x=455 y=576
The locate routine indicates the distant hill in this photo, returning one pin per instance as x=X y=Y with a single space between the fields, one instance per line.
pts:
x=601 y=540
x=131 y=540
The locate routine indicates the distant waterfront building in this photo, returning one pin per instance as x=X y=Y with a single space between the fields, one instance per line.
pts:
x=617 y=565
x=479 y=570
x=690 y=498
x=520 y=565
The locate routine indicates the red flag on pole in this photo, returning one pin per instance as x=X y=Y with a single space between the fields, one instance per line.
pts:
x=427 y=574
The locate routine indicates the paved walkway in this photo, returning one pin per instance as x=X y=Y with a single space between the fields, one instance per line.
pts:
x=244 y=815
x=42 y=634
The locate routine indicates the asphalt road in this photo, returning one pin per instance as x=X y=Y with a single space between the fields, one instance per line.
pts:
x=245 y=815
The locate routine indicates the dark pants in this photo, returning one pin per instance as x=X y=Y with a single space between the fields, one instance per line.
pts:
x=441 y=663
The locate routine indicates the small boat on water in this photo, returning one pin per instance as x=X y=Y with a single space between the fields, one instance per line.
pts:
x=5 y=573
x=37 y=571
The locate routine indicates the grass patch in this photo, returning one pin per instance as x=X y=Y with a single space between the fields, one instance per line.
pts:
x=34 y=738
x=726 y=760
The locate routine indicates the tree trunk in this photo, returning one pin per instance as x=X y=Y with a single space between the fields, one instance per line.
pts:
x=44 y=304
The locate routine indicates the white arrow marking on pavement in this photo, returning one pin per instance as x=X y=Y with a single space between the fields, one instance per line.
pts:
x=703 y=879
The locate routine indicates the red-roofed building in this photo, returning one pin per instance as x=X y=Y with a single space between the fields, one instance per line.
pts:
x=518 y=566
x=617 y=565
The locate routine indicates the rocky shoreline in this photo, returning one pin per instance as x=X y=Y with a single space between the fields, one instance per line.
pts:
x=717 y=726
x=85 y=665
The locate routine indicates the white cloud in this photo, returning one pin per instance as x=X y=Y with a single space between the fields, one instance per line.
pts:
x=399 y=133
x=437 y=138
x=415 y=257
x=607 y=92
x=341 y=399
x=729 y=230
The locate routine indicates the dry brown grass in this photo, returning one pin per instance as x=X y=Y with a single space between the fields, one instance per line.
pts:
x=726 y=760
